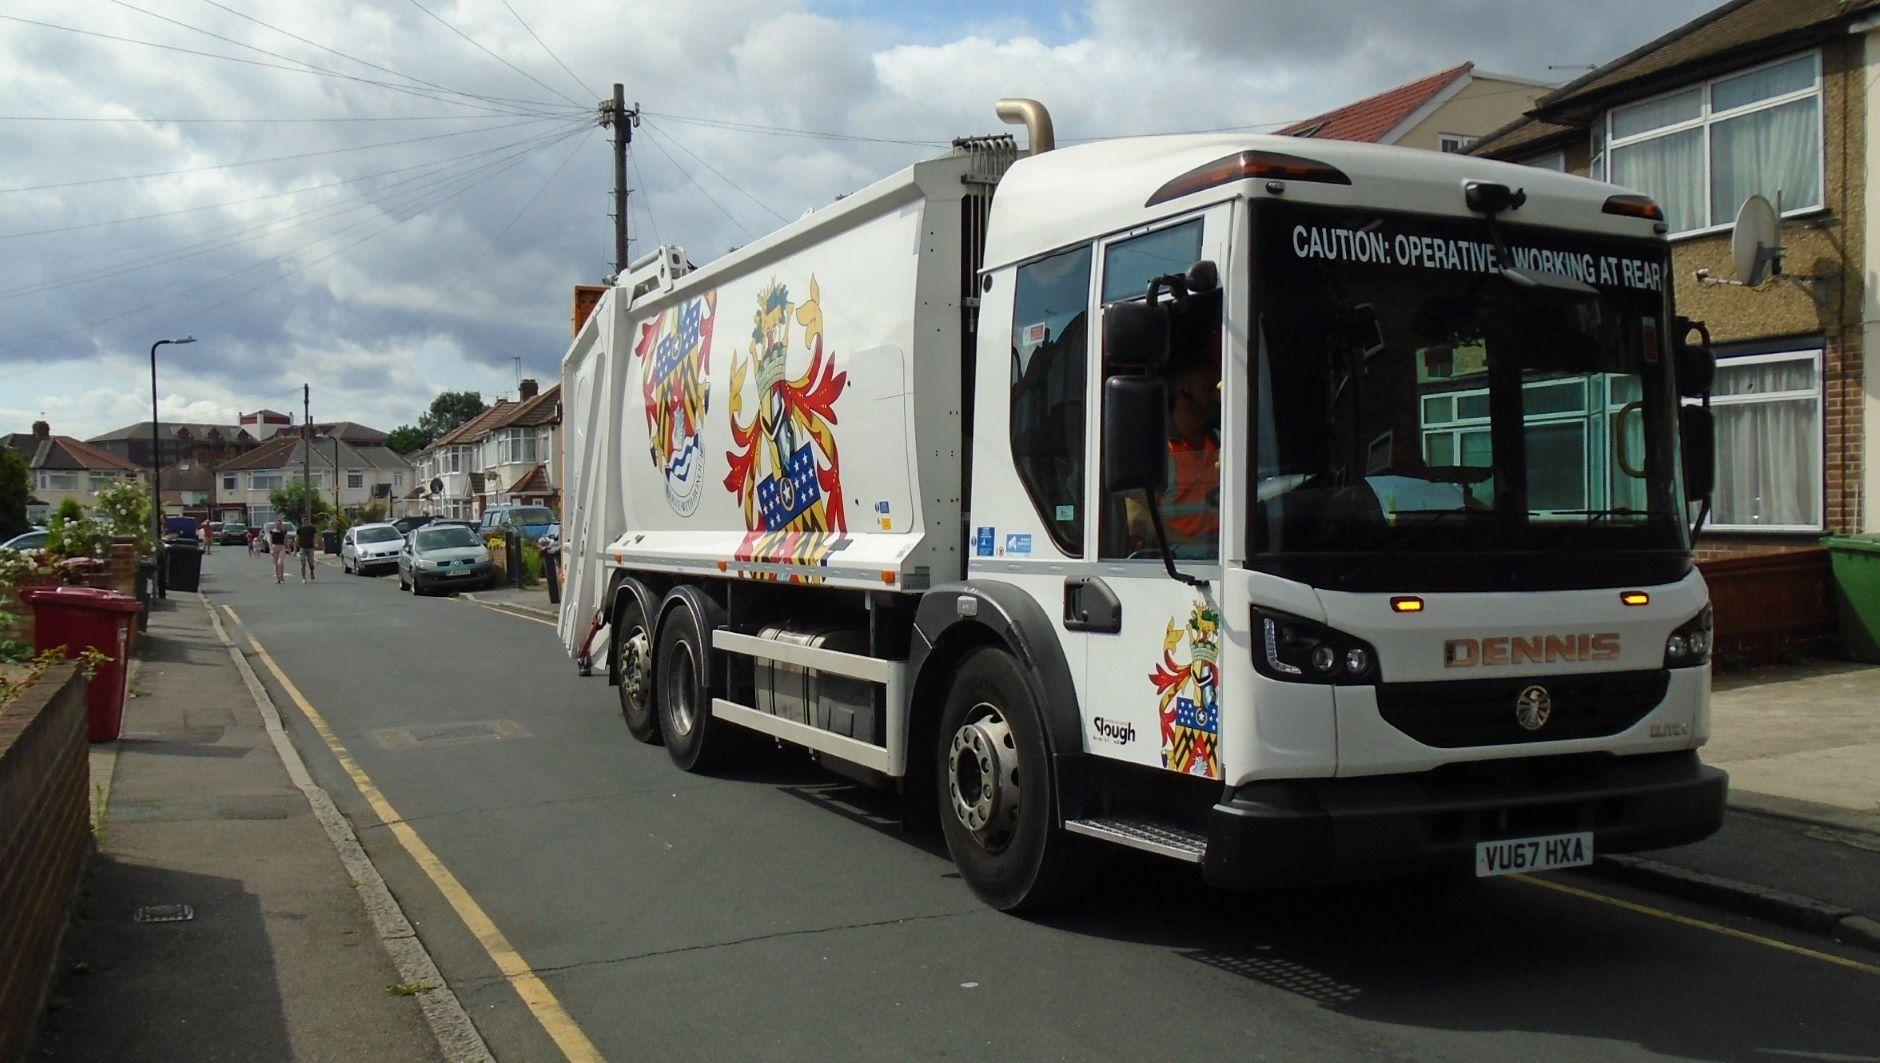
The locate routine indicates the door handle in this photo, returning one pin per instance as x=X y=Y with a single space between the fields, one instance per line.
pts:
x=1090 y=605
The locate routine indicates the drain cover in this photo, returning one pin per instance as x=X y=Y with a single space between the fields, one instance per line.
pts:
x=163 y=913
x=436 y=735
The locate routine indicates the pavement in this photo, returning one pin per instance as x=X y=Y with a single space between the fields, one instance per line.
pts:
x=277 y=957
x=580 y=897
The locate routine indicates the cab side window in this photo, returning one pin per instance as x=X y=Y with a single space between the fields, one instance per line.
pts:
x=1050 y=352
x=1191 y=503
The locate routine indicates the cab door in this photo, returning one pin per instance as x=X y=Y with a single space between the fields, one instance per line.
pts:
x=1153 y=643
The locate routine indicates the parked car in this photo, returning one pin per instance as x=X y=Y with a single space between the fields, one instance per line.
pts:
x=369 y=546
x=443 y=554
x=406 y=525
x=534 y=521
x=27 y=541
x=181 y=528
x=232 y=533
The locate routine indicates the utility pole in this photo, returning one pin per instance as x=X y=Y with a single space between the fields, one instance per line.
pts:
x=614 y=113
x=306 y=454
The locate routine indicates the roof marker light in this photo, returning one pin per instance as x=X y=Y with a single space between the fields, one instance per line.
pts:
x=1635 y=598
x=1408 y=603
x=1247 y=166
x=1634 y=207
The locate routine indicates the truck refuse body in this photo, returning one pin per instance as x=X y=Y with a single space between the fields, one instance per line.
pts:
x=1300 y=509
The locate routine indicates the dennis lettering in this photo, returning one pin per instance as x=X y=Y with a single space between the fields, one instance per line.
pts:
x=1120 y=732
x=1530 y=649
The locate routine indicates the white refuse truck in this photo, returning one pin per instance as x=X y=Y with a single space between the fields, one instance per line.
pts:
x=1304 y=510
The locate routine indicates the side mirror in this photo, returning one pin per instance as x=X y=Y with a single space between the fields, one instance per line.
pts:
x=1696 y=366
x=1135 y=434
x=1135 y=332
x=1697 y=433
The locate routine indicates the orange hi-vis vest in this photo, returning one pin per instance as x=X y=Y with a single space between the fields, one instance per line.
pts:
x=1191 y=507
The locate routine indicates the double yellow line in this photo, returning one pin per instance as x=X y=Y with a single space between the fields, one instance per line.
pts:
x=541 y=1001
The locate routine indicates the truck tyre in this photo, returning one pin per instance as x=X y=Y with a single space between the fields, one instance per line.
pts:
x=684 y=685
x=633 y=647
x=998 y=806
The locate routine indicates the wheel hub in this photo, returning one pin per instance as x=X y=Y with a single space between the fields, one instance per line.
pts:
x=679 y=683
x=633 y=654
x=982 y=776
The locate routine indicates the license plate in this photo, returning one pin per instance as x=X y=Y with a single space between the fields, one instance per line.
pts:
x=459 y=572
x=1548 y=853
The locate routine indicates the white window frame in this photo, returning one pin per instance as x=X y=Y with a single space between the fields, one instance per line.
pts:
x=98 y=481
x=1604 y=143
x=266 y=481
x=1553 y=160
x=231 y=481
x=355 y=479
x=58 y=480
x=1817 y=356
x=1462 y=142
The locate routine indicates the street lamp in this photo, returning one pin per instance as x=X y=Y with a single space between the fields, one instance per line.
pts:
x=156 y=468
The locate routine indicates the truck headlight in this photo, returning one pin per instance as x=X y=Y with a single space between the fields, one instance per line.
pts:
x=1296 y=650
x=1689 y=646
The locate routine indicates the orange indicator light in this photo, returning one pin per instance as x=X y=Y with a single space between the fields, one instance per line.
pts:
x=1407 y=604
x=1636 y=598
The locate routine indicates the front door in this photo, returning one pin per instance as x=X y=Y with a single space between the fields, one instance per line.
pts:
x=1152 y=659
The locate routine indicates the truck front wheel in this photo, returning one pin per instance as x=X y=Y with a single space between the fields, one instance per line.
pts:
x=634 y=645
x=998 y=809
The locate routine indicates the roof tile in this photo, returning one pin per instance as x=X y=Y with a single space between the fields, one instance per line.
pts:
x=1369 y=119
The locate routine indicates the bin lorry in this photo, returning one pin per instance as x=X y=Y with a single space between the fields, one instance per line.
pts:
x=1302 y=510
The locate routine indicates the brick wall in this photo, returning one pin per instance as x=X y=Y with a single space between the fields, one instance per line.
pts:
x=45 y=836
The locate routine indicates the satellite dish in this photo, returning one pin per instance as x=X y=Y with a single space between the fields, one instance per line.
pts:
x=1756 y=241
x=437 y=485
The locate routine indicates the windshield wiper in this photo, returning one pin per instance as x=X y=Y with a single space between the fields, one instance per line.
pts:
x=1431 y=518
x=1555 y=541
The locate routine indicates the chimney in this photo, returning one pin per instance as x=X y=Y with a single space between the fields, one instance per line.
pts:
x=41 y=430
x=527 y=389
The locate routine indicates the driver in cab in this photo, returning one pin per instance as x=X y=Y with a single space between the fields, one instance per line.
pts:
x=1191 y=503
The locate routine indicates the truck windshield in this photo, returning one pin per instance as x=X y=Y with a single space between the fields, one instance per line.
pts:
x=1423 y=421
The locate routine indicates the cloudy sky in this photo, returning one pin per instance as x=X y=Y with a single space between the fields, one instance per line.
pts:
x=411 y=215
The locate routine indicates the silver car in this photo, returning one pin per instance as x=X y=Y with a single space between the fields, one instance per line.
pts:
x=370 y=546
x=446 y=555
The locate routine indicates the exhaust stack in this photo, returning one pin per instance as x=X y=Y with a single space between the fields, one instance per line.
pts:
x=1036 y=120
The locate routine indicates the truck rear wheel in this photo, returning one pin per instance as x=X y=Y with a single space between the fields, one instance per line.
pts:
x=684 y=687
x=998 y=808
x=633 y=641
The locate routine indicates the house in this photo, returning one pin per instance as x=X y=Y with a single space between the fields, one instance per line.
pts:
x=509 y=453
x=61 y=467
x=349 y=475
x=520 y=451
x=1764 y=97
x=213 y=444
x=188 y=490
x=1446 y=111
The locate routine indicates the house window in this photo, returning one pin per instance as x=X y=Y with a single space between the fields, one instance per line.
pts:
x=101 y=480
x=355 y=480
x=1768 y=413
x=398 y=479
x=58 y=481
x=265 y=481
x=228 y=482
x=1555 y=161
x=516 y=445
x=1455 y=143
x=1700 y=152
x=455 y=459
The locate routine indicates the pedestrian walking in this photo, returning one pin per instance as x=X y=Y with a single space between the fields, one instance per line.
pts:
x=253 y=534
x=208 y=538
x=277 y=547
x=308 y=535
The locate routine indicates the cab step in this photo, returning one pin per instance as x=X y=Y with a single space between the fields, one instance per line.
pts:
x=1140 y=832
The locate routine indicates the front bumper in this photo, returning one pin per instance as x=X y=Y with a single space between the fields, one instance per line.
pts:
x=1293 y=831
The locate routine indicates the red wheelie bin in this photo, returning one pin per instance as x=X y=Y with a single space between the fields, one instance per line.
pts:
x=74 y=618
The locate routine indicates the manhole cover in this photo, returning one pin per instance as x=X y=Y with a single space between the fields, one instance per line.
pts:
x=163 y=913
x=438 y=735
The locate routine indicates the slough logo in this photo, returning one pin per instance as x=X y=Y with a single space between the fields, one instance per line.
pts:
x=675 y=355
x=1122 y=732
x=1533 y=707
x=1190 y=695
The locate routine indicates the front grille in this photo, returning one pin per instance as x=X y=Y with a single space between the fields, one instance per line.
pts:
x=1481 y=712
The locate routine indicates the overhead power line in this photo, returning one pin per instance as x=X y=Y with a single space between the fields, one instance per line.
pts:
x=300 y=69
x=268 y=195
x=677 y=143
x=277 y=158
x=564 y=66
x=479 y=46
x=264 y=120
x=788 y=131
x=353 y=58
x=646 y=200
x=654 y=139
